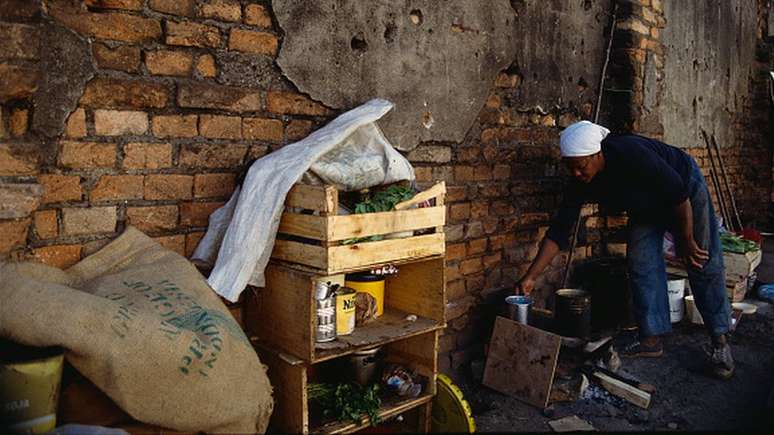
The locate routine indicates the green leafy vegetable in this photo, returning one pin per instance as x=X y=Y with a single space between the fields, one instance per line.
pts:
x=736 y=244
x=347 y=401
x=384 y=200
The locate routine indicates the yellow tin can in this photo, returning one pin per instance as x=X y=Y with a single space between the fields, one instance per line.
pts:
x=345 y=311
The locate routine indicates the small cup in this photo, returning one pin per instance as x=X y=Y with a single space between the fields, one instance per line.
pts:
x=518 y=308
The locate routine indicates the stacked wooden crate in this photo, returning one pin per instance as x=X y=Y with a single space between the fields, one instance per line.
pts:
x=739 y=270
x=310 y=247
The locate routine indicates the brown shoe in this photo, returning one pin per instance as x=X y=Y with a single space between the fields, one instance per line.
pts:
x=638 y=349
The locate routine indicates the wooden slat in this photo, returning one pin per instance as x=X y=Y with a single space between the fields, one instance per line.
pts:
x=623 y=390
x=389 y=409
x=351 y=257
x=419 y=288
x=302 y=253
x=281 y=313
x=304 y=225
x=371 y=224
x=291 y=408
x=324 y=199
x=522 y=361
x=390 y=326
x=438 y=190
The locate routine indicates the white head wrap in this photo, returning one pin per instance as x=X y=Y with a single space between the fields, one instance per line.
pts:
x=582 y=139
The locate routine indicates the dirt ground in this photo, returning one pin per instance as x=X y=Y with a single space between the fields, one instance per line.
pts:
x=686 y=398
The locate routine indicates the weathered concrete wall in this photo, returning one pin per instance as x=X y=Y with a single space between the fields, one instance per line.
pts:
x=708 y=67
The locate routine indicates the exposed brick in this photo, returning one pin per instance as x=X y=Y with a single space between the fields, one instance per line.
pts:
x=496 y=242
x=87 y=154
x=192 y=34
x=214 y=185
x=18 y=122
x=502 y=172
x=476 y=247
x=17 y=82
x=250 y=41
x=256 y=152
x=175 y=125
x=174 y=7
x=61 y=256
x=212 y=155
x=459 y=307
x=459 y=211
x=269 y=130
x=120 y=93
x=456 y=193
x=197 y=214
x=201 y=96
x=130 y=5
x=471 y=266
x=147 y=155
x=479 y=209
x=192 y=241
x=19 y=9
x=76 y=124
x=111 y=26
x=291 y=103
x=468 y=154
x=224 y=10
x=455 y=251
x=474 y=229
x=46 y=226
x=205 y=66
x=430 y=154
x=633 y=24
x=464 y=173
x=120 y=122
x=505 y=80
x=174 y=243
x=455 y=289
x=152 y=219
x=20 y=41
x=111 y=187
x=454 y=233
x=60 y=188
x=423 y=174
x=13 y=234
x=298 y=129
x=220 y=127
x=122 y=58
x=168 y=62
x=78 y=221
x=163 y=186
x=492 y=260
x=257 y=15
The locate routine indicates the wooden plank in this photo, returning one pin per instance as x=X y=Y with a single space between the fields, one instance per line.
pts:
x=390 y=408
x=310 y=255
x=571 y=423
x=291 y=408
x=522 y=361
x=419 y=288
x=351 y=257
x=371 y=224
x=281 y=314
x=304 y=225
x=390 y=326
x=623 y=390
x=438 y=190
x=741 y=264
x=324 y=199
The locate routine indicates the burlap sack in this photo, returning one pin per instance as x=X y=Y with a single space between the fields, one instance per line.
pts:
x=142 y=324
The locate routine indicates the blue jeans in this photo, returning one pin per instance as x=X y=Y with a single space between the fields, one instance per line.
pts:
x=647 y=270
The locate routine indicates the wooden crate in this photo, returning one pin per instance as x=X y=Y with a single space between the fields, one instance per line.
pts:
x=282 y=314
x=290 y=377
x=315 y=236
x=736 y=291
x=741 y=265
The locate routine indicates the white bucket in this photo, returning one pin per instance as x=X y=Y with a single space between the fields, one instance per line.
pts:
x=676 y=289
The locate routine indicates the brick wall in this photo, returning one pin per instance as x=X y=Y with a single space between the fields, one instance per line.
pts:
x=178 y=96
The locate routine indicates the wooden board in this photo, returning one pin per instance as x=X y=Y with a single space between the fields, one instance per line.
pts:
x=324 y=199
x=623 y=390
x=741 y=264
x=351 y=257
x=289 y=378
x=390 y=326
x=419 y=288
x=522 y=361
x=391 y=407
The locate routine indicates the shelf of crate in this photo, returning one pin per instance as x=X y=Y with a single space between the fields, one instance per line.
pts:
x=282 y=314
x=291 y=375
x=311 y=232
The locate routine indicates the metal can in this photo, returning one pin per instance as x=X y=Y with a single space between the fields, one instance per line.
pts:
x=326 y=319
x=345 y=311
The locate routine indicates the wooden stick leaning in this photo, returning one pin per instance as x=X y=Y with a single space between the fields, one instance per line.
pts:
x=725 y=181
x=716 y=184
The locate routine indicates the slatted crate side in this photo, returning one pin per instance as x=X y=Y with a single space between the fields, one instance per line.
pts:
x=281 y=314
x=322 y=199
x=419 y=353
x=419 y=288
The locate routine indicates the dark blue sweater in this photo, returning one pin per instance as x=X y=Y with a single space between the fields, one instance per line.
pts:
x=642 y=176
